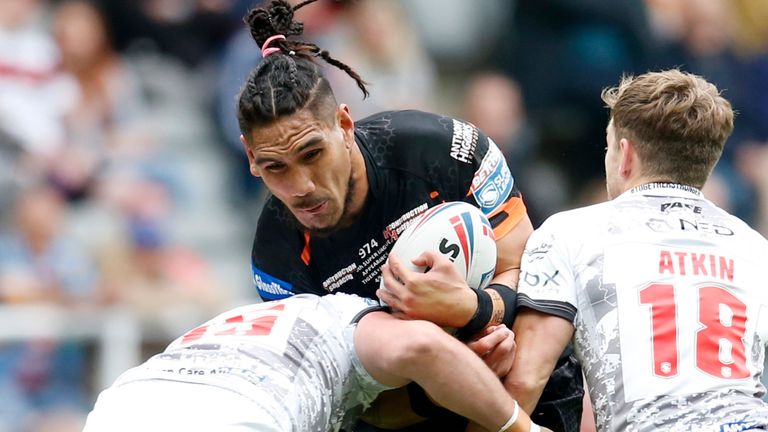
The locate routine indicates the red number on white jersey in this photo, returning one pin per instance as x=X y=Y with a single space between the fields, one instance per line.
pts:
x=720 y=349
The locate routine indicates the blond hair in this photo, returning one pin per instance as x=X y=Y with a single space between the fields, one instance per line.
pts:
x=677 y=121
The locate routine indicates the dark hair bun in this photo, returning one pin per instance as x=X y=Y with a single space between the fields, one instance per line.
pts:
x=276 y=18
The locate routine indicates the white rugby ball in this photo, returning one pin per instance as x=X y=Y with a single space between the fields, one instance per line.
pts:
x=458 y=230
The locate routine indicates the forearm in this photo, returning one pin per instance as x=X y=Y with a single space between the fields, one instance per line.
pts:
x=525 y=385
x=510 y=253
x=472 y=391
x=541 y=339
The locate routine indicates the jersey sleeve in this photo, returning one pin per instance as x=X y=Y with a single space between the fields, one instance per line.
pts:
x=463 y=163
x=547 y=283
x=492 y=188
x=276 y=257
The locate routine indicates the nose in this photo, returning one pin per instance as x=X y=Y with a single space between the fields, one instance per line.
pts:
x=302 y=183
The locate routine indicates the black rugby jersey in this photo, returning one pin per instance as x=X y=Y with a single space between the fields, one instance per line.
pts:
x=414 y=160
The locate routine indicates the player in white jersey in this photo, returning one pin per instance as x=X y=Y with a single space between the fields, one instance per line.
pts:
x=306 y=363
x=661 y=292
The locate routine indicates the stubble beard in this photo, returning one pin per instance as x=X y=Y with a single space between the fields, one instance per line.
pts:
x=344 y=220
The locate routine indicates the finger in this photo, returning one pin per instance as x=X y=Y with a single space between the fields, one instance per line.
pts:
x=390 y=281
x=387 y=297
x=423 y=260
x=429 y=258
x=485 y=332
x=501 y=357
x=487 y=339
x=397 y=268
x=485 y=344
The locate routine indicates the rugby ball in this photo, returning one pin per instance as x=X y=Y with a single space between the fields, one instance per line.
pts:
x=458 y=230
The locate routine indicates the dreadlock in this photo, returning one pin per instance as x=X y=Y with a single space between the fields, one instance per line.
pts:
x=286 y=82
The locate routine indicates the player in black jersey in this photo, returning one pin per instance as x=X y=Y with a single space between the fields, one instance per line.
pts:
x=343 y=191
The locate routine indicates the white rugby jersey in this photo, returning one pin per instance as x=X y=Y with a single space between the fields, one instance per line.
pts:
x=295 y=358
x=668 y=296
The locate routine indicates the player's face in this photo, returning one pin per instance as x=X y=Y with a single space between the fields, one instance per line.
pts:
x=612 y=154
x=307 y=164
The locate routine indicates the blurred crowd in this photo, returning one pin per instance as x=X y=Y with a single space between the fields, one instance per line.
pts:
x=123 y=183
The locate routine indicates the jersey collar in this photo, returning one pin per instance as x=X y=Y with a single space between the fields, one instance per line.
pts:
x=667 y=189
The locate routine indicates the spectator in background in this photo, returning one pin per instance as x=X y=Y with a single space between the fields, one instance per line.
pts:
x=40 y=264
x=168 y=285
x=750 y=38
x=239 y=57
x=587 y=44
x=386 y=49
x=32 y=97
x=190 y=31
x=38 y=261
x=494 y=103
x=701 y=39
x=11 y=177
x=104 y=127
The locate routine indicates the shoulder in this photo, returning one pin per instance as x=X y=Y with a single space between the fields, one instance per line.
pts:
x=411 y=139
x=578 y=221
x=411 y=127
x=406 y=121
x=571 y=229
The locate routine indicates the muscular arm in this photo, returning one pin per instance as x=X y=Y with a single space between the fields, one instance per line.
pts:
x=510 y=251
x=397 y=351
x=541 y=338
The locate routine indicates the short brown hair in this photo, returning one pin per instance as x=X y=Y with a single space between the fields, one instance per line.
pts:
x=678 y=122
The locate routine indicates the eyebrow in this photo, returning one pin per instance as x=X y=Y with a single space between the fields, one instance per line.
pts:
x=312 y=142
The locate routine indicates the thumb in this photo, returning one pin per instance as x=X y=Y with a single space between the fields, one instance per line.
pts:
x=425 y=259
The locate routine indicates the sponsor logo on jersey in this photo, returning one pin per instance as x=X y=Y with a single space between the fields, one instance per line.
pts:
x=538 y=252
x=543 y=278
x=340 y=278
x=393 y=230
x=270 y=287
x=677 y=205
x=463 y=141
x=664 y=226
x=492 y=182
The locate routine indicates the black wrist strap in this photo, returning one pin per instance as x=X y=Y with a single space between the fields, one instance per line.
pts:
x=509 y=296
x=481 y=317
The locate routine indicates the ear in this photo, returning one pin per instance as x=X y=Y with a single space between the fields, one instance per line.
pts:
x=347 y=125
x=628 y=158
x=251 y=159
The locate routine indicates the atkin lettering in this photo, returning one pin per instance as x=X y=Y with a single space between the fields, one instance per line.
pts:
x=696 y=264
